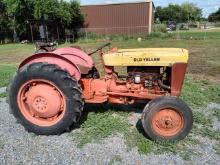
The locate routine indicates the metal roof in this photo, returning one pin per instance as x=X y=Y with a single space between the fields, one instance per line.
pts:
x=117 y=3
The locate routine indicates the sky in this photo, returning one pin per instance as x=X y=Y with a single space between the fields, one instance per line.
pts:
x=208 y=6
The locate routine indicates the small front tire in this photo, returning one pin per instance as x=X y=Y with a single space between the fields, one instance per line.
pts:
x=167 y=118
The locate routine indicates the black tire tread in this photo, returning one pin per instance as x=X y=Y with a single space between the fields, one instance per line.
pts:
x=173 y=102
x=69 y=83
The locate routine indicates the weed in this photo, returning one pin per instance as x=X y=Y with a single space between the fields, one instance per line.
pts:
x=133 y=138
x=217 y=148
x=1 y=144
x=200 y=118
x=200 y=93
x=217 y=113
x=208 y=132
x=6 y=72
x=184 y=148
x=3 y=95
x=99 y=126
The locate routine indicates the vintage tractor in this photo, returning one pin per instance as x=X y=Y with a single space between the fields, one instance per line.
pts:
x=48 y=92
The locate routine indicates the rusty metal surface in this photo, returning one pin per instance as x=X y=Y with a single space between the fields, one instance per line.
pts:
x=178 y=75
x=117 y=18
x=52 y=58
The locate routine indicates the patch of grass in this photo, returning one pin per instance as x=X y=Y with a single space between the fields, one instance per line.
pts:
x=198 y=35
x=1 y=144
x=200 y=93
x=217 y=113
x=217 y=148
x=6 y=72
x=16 y=49
x=204 y=54
x=208 y=132
x=15 y=53
x=3 y=95
x=200 y=118
x=184 y=148
x=134 y=138
x=100 y=125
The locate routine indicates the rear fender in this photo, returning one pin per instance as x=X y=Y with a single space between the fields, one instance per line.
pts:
x=52 y=58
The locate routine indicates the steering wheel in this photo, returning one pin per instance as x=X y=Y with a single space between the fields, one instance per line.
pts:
x=100 y=48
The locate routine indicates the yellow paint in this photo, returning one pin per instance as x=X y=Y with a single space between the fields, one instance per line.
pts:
x=146 y=57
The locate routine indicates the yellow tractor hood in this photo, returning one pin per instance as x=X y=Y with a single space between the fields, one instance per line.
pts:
x=146 y=57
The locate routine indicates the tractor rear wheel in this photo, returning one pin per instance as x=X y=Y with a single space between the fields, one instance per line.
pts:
x=45 y=99
x=167 y=118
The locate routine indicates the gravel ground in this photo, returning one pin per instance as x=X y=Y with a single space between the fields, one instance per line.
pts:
x=2 y=90
x=19 y=147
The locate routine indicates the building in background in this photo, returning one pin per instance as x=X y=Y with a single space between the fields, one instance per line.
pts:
x=132 y=18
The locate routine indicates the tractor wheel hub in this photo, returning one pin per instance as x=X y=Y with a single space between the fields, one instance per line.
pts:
x=167 y=122
x=40 y=104
x=44 y=101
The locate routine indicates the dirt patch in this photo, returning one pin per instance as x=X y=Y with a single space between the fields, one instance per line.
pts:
x=197 y=77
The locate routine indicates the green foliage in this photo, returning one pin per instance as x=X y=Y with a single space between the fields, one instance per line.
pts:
x=200 y=118
x=3 y=16
x=209 y=132
x=46 y=9
x=217 y=148
x=63 y=12
x=179 y=13
x=18 y=12
x=3 y=95
x=217 y=113
x=214 y=17
x=196 y=35
x=172 y=12
x=191 y=11
x=160 y=28
x=199 y=93
x=91 y=37
x=1 y=144
x=6 y=72
x=14 y=14
x=99 y=126
x=134 y=138
x=102 y=124
x=160 y=35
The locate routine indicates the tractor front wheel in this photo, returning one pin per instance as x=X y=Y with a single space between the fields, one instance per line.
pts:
x=167 y=118
x=45 y=99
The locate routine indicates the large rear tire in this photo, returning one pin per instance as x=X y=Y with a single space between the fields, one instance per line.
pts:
x=167 y=118
x=45 y=99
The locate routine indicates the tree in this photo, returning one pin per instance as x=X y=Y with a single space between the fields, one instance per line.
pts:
x=18 y=12
x=214 y=17
x=170 y=13
x=191 y=12
x=66 y=13
x=15 y=15
x=179 y=13
x=46 y=9
x=3 y=21
x=3 y=16
x=76 y=15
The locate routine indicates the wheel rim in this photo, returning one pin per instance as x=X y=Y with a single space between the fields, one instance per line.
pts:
x=41 y=102
x=168 y=122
